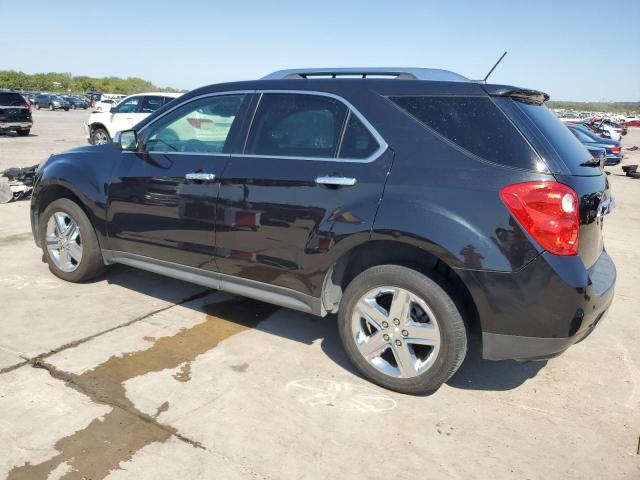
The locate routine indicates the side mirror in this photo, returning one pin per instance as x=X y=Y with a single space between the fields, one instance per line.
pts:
x=127 y=140
x=112 y=109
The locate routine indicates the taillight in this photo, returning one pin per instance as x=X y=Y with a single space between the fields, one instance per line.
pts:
x=26 y=105
x=615 y=149
x=548 y=211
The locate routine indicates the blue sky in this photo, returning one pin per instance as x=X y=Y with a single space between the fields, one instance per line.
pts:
x=574 y=50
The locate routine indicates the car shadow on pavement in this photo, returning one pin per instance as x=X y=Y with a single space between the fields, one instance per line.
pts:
x=474 y=374
x=479 y=374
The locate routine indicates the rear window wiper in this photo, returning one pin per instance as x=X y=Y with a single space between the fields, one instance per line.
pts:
x=591 y=163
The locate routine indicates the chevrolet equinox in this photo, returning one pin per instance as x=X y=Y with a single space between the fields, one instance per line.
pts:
x=413 y=203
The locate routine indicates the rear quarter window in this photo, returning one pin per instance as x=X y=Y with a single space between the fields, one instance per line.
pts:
x=475 y=124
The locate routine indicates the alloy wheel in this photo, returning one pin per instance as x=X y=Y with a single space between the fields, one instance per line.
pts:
x=64 y=242
x=396 y=331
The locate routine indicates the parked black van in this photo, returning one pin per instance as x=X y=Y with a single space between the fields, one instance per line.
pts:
x=15 y=113
x=413 y=203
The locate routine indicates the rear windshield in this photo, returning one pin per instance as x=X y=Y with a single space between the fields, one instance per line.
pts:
x=567 y=146
x=11 y=99
x=474 y=123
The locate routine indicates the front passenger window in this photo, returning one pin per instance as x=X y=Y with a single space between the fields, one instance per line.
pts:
x=201 y=126
x=128 y=106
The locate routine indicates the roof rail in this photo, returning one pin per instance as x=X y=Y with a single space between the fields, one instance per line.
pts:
x=433 y=74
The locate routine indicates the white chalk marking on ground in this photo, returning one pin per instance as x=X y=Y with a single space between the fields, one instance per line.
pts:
x=20 y=282
x=345 y=396
x=634 y=397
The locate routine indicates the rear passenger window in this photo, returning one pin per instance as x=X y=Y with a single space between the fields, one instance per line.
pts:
x=475 y=124
x=358 y=142
x=151 y=104
x=296 y=125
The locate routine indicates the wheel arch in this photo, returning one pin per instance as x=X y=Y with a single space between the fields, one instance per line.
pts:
x=393 y=252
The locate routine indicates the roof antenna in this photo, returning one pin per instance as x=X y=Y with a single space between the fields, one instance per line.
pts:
x=494 y=67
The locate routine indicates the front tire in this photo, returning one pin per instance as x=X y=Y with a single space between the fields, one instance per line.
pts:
x=100 y=136
x=51 y=107
x=37 y=106
x=402 y=329
x=69 y=242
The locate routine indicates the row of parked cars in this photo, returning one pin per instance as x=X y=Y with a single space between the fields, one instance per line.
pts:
x=602 y=137
x=55 y=101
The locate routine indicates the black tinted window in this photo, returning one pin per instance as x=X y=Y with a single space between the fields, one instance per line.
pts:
x=474 y=123
x=151 y=104
x=11 y=99
x=357 y=141
x=292 y=125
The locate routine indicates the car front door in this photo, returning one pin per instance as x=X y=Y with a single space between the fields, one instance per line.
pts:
x=162 y=197
x=123 y=115
x=311 y=175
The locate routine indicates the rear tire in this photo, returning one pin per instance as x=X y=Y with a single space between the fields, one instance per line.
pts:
x=85 y=242
x=23 y=133
x=430 y=328
x=51 y=107
x=37 y=106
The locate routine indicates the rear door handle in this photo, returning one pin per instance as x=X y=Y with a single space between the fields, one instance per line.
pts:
x=336 y=181
x=203 y=177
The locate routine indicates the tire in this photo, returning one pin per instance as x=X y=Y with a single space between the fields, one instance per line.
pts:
x=90 y=264
x=51 y=107
x=23 y=133
x=431 y=364
x=73 y=106
x=99 y=136
x=37 y=106
x=66 y=109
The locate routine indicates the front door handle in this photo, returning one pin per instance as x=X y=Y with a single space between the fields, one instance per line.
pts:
x=203 y=177
x=336 y=181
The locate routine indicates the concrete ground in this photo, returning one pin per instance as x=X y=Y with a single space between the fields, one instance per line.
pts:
x=138 y=376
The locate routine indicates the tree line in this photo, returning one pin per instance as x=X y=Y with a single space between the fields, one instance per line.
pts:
x=63 y=82
x=610 y=107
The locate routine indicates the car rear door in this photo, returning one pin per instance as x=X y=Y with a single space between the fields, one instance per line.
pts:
x=162 y=198
x=310 y=176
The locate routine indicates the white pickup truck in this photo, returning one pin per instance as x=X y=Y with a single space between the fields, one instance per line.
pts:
x=102 y=126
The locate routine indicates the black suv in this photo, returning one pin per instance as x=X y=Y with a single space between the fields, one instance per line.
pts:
x=15 y=113
x=415 y=204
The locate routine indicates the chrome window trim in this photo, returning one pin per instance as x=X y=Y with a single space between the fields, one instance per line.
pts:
x=382 y=144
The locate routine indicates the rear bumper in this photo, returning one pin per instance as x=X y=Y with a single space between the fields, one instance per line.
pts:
x=543 y=309
x=17 y=125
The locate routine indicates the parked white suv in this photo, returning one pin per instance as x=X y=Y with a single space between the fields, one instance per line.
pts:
x=102 y=126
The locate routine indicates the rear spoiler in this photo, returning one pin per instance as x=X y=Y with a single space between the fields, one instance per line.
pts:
x=521 y=94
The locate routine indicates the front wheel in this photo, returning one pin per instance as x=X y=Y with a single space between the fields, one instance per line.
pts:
x=51 y=107
x=69 y=242
x=100 y=136
x=37 y=106
x=402 y=329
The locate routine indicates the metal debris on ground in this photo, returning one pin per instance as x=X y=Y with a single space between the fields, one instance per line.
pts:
x=20 y=184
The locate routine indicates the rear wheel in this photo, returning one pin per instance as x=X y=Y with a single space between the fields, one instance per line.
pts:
x=100 y=136
x=23 y=133
x=402 y=329
x=69 y=242
x=51 y=107
x=37 y=106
